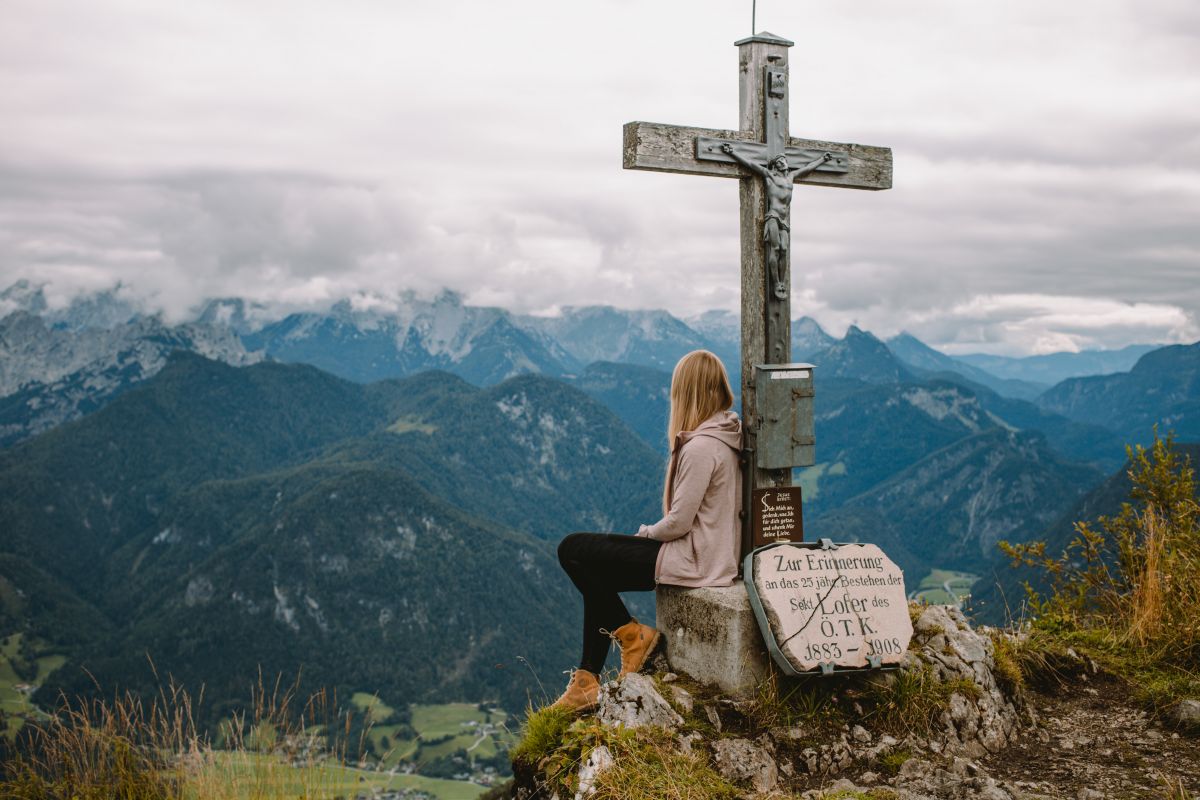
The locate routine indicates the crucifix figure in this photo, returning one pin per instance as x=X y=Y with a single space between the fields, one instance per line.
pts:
x=778 y=177
x=759 y=154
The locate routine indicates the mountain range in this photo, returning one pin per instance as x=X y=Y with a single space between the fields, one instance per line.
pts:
x=59 y=363
x=1051 y=368
x=50 y=374
x=1162 y=389
x=395 y=537
x=923 y=358
x=240 y=490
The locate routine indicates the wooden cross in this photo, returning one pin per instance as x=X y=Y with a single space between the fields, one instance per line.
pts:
x=762 y=138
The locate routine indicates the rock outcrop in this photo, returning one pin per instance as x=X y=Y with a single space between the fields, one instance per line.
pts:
x=917 y=732
x=634 y=702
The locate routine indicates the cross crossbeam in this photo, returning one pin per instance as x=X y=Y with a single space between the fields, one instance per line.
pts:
x=696 y=151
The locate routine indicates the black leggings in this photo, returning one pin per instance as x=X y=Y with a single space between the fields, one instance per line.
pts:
x=600 y=565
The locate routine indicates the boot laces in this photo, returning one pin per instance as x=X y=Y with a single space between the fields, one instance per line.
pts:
x=616 y=642
x=570 y=682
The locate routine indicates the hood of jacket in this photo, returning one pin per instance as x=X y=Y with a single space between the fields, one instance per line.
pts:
x=724 y=426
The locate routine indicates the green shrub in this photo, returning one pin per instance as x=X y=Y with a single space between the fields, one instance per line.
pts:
x=1126 y=589
x=1135 y=576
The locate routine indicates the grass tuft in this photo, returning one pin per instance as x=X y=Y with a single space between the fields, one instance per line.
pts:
x=893 y=761
x=911 y=701
x=542 y=734
x=1007 y=663
x=647 y=767
x=915 y=610
x=803 y=702
x=101 y=749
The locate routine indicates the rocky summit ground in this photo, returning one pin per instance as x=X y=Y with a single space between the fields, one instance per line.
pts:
x=1079 y=734
x=1093 y=741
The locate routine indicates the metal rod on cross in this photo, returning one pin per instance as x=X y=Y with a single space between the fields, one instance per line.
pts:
x=767 y=160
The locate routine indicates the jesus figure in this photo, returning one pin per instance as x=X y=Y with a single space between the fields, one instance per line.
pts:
x=778 y=178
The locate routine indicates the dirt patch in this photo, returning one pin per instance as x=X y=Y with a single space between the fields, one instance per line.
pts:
x=1091 y=735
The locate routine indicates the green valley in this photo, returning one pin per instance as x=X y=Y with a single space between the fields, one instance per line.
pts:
x=24 y=666
x=944 y=587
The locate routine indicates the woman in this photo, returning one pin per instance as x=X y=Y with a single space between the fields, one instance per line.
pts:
x=694 y=544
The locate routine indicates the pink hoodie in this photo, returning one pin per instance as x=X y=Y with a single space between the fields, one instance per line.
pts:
x=700 y=531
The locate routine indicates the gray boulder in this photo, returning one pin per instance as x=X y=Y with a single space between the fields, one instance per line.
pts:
x=1186 y=714
x=742 y=761
x=634 y=701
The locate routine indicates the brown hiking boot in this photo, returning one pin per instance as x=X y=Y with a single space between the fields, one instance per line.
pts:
x=582 y=692
x=637 y=643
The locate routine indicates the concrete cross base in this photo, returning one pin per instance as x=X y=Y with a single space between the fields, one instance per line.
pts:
x=712 y=636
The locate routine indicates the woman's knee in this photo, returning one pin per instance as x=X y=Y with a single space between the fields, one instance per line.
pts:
x=570 y=546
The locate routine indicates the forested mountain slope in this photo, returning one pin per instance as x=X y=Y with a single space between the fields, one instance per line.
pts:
x=1162 y=389
x=392 y=537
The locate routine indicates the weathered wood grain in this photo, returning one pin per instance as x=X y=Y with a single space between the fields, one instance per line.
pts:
x=759 y=325
x=672 y=148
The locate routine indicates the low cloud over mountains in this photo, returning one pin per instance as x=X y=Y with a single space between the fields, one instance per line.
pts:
x=1045 y=195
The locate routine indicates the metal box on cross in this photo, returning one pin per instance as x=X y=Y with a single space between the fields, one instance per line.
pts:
x=784 y=396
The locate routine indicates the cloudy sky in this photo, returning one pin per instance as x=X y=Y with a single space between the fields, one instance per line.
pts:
x=1047 y=157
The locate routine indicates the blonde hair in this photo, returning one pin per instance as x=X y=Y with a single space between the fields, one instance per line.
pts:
x=699 y=389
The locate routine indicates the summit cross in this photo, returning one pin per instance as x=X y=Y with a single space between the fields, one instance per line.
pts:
x=768 y=161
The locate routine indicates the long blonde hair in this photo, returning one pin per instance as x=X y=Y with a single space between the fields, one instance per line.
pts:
x=699 y=389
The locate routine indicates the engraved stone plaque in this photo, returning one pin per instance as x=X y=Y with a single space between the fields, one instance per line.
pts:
x=838 y=608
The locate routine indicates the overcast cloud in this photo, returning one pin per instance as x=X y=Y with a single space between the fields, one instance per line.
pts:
x=1047 y=158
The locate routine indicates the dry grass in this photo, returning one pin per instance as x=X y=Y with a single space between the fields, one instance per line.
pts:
x=133 y=749
x=1173 y=788
x=1147 y=606
x=1009 y=676
x=100 y=749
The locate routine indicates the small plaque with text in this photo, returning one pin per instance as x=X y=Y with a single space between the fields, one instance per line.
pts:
x=778 y=515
